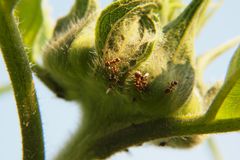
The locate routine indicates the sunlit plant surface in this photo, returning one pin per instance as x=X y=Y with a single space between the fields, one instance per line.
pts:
x=131 y=66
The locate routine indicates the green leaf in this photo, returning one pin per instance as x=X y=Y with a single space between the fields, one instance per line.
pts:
x=44 y=34
x=230 y=107
x=234 y=64
x=226 y=104
x=30 y=16
x=8 y=5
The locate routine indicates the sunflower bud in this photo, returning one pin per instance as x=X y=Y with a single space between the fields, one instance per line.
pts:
x=142 y=68
x=143 y=60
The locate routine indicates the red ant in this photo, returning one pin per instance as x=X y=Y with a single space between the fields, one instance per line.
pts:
x=112 y=68
x=172 y=86
x=140 y=80
x=112 y=62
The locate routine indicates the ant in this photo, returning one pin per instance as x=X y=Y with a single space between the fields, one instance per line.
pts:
x=112 y=62
x=140 y=80
x=172 y=86
x=112 y=68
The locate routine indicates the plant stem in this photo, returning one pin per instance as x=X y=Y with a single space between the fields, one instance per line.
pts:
x=84 y=147
x=161 y=128
x=21 y=77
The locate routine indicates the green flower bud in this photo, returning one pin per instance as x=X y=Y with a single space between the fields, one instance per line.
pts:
x=142 y=69
x=150 y=64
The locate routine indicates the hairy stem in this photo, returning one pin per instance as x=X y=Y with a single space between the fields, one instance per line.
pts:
x=23 y=86
x=84 y=147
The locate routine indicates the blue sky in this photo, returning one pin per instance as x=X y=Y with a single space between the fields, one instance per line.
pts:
x=60 y=118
